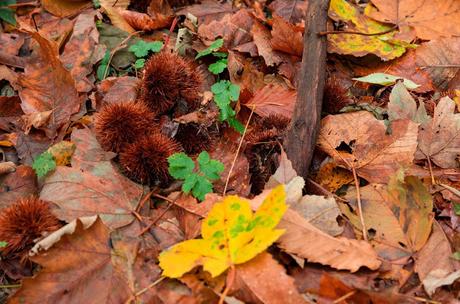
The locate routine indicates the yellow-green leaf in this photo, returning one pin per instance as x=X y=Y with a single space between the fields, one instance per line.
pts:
x=384 y=46
x=62 y=152
x=232 y=234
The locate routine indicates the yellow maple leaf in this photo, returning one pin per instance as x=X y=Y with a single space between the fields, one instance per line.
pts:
x=232 y=234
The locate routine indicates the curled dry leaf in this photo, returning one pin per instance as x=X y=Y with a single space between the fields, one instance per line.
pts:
x=291 y=11
x=65 y=8
x=143 y=22
x=439 y=137
x=273 y=99
x=431 y=20
x=359 y=140
x=115 y=16
x=208 y=11
x=48 y=86
x=16 y=185
x=264 y=280
x=262 y=39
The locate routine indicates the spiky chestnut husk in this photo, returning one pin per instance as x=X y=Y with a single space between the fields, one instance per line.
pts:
x=263 y=148
x=168 y=78
x=336 y=96
x=22 y=223
x=193 y=138
x=145 y=160
x=122 y=123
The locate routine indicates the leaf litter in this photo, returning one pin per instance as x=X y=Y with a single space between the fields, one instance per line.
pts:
x=223 y=216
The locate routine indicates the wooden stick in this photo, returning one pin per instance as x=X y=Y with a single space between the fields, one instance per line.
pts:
x=301 y=137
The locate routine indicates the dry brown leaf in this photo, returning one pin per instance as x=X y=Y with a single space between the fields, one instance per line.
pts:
x=430 y=19
x=332 y=177
x=65 y=8
x=293 y=11
x=264 y=280
x=89 y=266
x=82 y=51
x=30 y=146
x=399 y=215
x=234 y=29
x=262 y=39
x=91 y=186
x=16 y=185
x=208 y=10
x=11 y=43
x=439 y=52
x=358 y=139
x=144 y=22
x=286 y=37
x=273 y=99
x=36 y=120
x=115 y=16
x=10 y=112
x=47 y=85
x=439 y=137
x=435 y=256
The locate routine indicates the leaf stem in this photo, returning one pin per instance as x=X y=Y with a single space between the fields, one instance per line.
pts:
x=357 y=33
x=229 y=284
x=358 y=199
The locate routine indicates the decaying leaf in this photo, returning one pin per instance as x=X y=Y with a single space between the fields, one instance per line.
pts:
x=143 y=22
x=398 y=216
x=91 y=186
x=273 y=99
x=48 y=86
x=384 y=46
x=359 y=140
x=439 y=137
x=65 y=8
x=430 y=19
x=287 y=37
x=232 y=235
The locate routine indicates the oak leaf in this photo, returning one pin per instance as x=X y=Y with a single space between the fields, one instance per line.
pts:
x=286 y=37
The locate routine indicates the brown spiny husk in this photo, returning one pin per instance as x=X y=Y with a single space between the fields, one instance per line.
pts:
x=22 y=223
x=122 y=123
x=336 y=95
x=169 y=78
x=145 y=160
x=194 y=138
x=262 y=149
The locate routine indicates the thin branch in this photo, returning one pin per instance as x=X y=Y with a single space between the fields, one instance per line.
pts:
x=116 y=49
x=358 y=199
x=229 y=284
x=442 y=66
x=344 y=297
x=238 y=151
x=357 y=33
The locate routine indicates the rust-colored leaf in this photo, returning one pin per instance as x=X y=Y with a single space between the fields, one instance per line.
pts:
x=287 y=37
x=144 y=22
x=47 y=85
x=273 y=99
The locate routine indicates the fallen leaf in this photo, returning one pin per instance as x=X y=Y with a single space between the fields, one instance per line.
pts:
x=16 y=185
x=125 y=86
x=283 y=174
x=11 y=43
x=232 y=235
x=264 y=280
x=89 y=266
x=115 y=16
x=441 y=52
x=262 y=39
x=286 y=37
x=82 y=52
x=47 y=85
x=234 y=29
x=91 y=186
x=431 y=20
x=332 y=177
x=359 y=140
x=399 y=215
x=62 y=152
x=10 y=112
x=439 y=137
x=65 y=8
x=144 y=22
x=385 y=46
x=36 y=120
x=207 y=11
x=273 y=99
x=434 y=260
x=30 y=146
x=402 y=106
x=386 y=79
x=293 y=11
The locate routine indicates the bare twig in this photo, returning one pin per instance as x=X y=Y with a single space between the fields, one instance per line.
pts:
x=357 y=33
x=141 y=292
x=120 y=46
x=442 y=66
x=230 y=279
x=451 y=189
x=344 y=297
x=170 y=204
x=238 y=151
x=358 y=200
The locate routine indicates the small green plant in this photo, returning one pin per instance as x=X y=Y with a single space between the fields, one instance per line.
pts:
x=196 y=181
x=97 y=3
x=44 y=164
x=141 y=49
x=3 y=244
x=457 y=208
x=224 y=91
x=103 y=66
x=6 y=13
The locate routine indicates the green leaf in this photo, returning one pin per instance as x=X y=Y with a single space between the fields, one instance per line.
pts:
x=201 y=188
x=7 y=15
x=457 y=208
x=139 y=64
x=180 y=165
x=214 y=46
x=234 y=91
x=386 y=80
x=220 y=86
x=236 y=124
x=456 y=255
x=142 y=48
x=210 y=168
x=189 y=183
x=96 y=3
x=218 y=67
x=3 y=244
x=220 y=54
x=44 y=163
